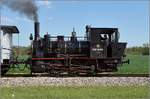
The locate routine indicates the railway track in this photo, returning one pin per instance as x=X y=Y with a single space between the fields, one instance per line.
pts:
x=81 y=75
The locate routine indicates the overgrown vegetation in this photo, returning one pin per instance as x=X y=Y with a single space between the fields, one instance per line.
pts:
x=75 y=92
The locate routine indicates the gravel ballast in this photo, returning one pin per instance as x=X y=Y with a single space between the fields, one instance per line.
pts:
x=73 y=81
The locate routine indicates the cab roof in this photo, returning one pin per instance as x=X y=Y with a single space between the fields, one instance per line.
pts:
x=102 y=30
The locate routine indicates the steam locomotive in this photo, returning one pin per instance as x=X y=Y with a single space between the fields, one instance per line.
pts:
x=99 y=51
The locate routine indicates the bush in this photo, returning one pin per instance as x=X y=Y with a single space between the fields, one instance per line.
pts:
x=145 y=51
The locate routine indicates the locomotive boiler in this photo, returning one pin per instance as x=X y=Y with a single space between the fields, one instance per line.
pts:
x=99 y=51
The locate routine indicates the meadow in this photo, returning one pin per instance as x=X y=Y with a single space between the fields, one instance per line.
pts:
x=75 y=92
x=138 y=64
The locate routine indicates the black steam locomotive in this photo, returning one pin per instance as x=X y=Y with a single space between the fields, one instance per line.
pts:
x=99 y=51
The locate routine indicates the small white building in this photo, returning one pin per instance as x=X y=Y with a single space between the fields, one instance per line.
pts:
x=6 y=34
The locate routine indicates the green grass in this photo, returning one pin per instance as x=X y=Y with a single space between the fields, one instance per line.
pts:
x=91 y=92
x=138 y=64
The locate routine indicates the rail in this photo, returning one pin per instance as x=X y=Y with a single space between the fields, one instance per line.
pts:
x=80 y=75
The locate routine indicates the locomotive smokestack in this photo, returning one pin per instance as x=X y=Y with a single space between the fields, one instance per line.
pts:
x=36 y=30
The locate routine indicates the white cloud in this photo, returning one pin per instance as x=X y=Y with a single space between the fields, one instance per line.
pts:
x=45 y=3
x=4 y=20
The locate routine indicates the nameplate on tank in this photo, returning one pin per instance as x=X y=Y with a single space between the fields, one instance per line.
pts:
x=97 y=49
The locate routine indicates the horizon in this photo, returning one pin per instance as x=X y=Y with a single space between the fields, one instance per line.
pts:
x=59 y=17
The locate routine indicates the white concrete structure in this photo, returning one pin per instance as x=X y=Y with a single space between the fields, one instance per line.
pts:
x=6 y=34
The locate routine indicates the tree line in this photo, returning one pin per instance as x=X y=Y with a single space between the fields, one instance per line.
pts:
x=139 y=50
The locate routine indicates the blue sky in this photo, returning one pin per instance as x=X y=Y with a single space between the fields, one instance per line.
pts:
x=59 y=17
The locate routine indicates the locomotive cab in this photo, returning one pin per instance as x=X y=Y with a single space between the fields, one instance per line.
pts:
x=104 y=42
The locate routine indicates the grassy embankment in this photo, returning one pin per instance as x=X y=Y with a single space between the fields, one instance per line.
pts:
x=91 y=92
